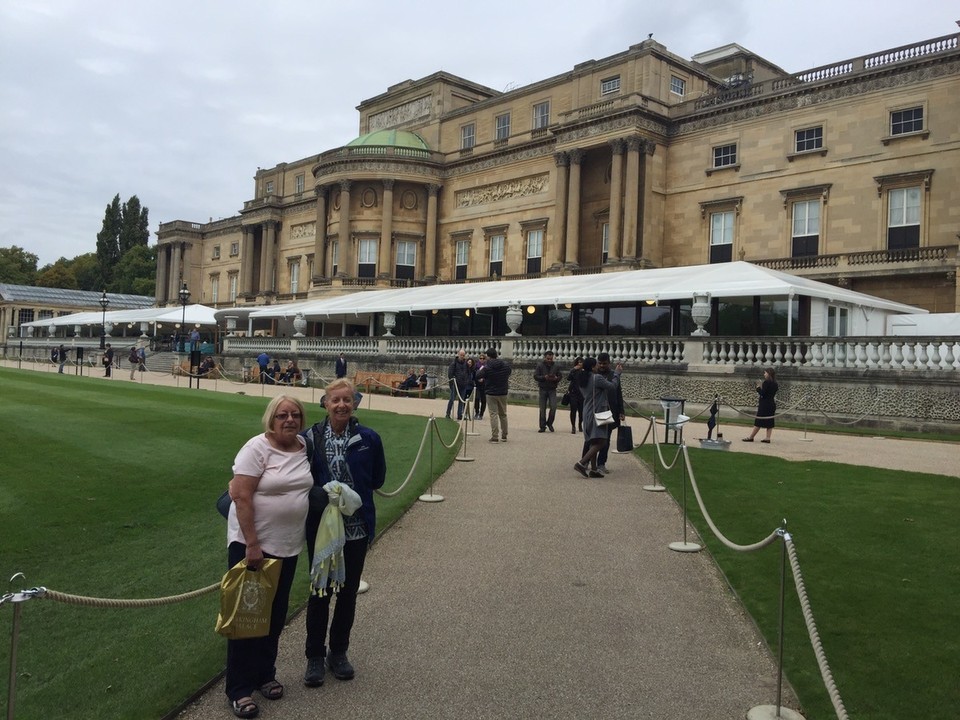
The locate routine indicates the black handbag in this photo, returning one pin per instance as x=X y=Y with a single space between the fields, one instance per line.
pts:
x=223 y=504
x=624 y=439
x=565 y=400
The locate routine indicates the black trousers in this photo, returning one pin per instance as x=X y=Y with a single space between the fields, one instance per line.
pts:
x=318 y=608
x=252 y=662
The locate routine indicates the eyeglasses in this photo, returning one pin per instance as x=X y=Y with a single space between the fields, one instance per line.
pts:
x=284 y=416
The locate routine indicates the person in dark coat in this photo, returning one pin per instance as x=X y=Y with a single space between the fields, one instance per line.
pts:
x=340 y=366
x=614 y=403
x=576 y=397
x=496 y=377
x=766 y=406
x=460 y=377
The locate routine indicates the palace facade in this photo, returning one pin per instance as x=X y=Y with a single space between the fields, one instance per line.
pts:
x=847 y=174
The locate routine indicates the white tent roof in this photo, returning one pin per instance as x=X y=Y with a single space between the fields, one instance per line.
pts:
x=735 y=279
x=194 y=314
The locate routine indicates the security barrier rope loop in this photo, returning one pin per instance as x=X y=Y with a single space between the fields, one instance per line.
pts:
x=423 y=441
x=812 y=631
x=42 y=593
x=456 y=438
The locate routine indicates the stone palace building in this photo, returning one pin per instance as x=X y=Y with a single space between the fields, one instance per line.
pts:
x=847 y=174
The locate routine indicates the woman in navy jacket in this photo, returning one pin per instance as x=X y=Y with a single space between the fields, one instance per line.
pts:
x=346 y=451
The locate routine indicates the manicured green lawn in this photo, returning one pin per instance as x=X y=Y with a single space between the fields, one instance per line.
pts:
x=880 y=555
x=108 y=490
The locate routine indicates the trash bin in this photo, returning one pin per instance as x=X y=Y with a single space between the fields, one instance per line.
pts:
x=306 y=376
x=673 y=419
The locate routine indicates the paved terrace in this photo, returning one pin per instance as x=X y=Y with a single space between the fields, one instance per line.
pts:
x=533 y=593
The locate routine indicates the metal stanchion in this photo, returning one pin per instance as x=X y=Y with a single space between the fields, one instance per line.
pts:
x=685 y=546
x=431 y=496
x=470 y=421
x=778 y=712
x=654 y=487
x=14 y=640
x=464 y=457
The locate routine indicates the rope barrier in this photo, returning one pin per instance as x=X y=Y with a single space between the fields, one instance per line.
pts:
x=42 y=593
x=416 y=461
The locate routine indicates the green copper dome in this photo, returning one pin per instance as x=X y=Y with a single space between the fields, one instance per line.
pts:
x=391 y=138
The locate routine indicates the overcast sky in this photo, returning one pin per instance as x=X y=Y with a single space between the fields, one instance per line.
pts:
x=179 y=101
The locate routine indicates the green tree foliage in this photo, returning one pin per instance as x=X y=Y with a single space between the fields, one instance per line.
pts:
x=87 y=272
x=108 y=241
x=17 y=266
x=58 y=275
x=134 y=226
x=136 y=272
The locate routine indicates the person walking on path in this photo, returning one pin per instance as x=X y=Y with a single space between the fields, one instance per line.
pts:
x=547 y=377
x=576 y=397
x=61 y=357
x=480 y=391
x=340 y=366
x=614 y=403
x=595 y=388
x=134 y=359
x=351 y=454
x=766 y=405
x=267 y=519
x=460 y=379
x=496 y=376
x=263 y=362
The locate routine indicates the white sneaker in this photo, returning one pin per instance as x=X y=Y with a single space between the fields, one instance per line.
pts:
x=603 y=469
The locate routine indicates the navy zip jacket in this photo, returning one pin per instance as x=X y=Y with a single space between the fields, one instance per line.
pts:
x=368 y=468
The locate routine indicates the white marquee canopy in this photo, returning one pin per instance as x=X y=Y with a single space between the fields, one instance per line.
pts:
x=191 y=315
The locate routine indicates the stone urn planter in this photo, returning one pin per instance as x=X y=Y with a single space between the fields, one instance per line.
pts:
x=700 y=312
x=299 y=325
x=389 y=322
x=514 y=316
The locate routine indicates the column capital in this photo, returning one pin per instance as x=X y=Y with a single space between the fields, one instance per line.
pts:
x=635 y=143
x=388 y=183
x=433 y=190
x=576 y=155
x=618 y=145
x=563 y=160
x=321 y=191
x=650 y=146
x=345 y=185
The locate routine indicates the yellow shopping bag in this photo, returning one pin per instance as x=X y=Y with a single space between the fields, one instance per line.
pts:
x=246 y=599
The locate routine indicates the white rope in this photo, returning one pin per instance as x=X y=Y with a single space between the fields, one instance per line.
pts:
x=416 y=461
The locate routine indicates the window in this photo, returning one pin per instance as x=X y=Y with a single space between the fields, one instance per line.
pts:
x=610 y=85
x=808 y=139
x=214 y=289
x=721 y=236
x=806 y=228
x=463 y=253
x=270 y=187
x=295 y=277
x=837 y=321
x=502 y=127
x=234 y=249
x=605 y=246
x=367 y=259
x=334 y=257
x=233 y=287
x=725 y=155
x=406 y=260
x=298 y=184
x=541 y=115
x=496 y=255
x=534 y=250
x=468 y=136
x=678 y=86
x=216 y=252
x=906 y=121
x=903 y=218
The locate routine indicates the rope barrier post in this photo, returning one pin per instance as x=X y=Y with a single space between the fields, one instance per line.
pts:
x=777 y=712
x=468 y=416
x=464 y=457
x=654 y=487
x=431 y=496
x=16 y=599
x=685 y=546
x=806 y=419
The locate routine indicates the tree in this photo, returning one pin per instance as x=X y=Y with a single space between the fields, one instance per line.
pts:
x=58 y=275
x=108 y=241
x=134 y=226
x=17 y=266
x=135 y=274
x=87 y=272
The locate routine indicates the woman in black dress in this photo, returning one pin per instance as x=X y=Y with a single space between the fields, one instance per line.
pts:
x=766 y=406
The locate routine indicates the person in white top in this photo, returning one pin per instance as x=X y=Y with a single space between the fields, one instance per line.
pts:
x=270 y=488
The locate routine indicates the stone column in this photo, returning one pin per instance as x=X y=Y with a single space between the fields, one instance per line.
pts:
x=557 y=249
x=631 y=198
x=430 y=261
x=163 y=267
x=348 y=260
x=616 y=198
x=176 y=271
x=573 y=208
x=269 y=257
x=386 y=231
x=648 y=244
x=320 y=235
x=246 y=261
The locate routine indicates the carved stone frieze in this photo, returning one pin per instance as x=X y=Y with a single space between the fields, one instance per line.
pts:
x=418 y=109
x=304 y=230
x=508 y=190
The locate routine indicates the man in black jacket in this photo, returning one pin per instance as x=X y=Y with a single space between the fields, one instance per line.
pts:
x=547 y=377
x=461 y=382
x=615 y=399
x=496 y=377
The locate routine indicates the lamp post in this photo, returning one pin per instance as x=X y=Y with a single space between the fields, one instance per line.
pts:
x=103 y=318
x=184 y=299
